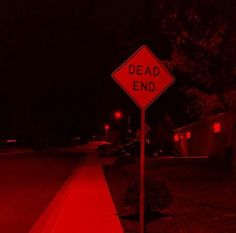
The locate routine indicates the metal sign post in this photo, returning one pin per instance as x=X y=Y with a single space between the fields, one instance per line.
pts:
x=142 y=174
x=144 y=79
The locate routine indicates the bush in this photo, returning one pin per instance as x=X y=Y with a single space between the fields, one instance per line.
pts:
x=157 y=196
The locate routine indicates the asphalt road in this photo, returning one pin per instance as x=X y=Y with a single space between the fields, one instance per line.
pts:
x=28 y=182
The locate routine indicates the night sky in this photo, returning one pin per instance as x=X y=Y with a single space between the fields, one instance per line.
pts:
x=57 y=58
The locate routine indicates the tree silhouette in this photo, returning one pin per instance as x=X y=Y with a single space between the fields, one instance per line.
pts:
x=203 y=51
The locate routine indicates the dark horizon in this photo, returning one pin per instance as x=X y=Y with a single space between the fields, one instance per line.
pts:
x=57 y=59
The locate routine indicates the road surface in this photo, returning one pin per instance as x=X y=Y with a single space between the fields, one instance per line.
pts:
x=28 y=183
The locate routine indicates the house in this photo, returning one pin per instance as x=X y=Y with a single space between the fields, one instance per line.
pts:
x=211 y=136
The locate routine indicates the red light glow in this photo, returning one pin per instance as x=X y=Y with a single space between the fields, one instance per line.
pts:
x=106 y=127
x=188 y=135
x=216 y=127
x=118 y=115
x=176 y=137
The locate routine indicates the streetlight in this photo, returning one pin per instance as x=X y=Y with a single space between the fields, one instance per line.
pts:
x=118 y=115
x=106 y=127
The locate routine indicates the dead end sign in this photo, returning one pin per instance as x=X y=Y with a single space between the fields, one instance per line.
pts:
x=143 y=77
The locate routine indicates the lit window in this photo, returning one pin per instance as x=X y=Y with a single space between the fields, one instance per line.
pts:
x=188 y=134
x=176 y=137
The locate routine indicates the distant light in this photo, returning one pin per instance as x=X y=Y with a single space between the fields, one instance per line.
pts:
x=216 y=127
x=106 y=127
x=176 y=137
x=11 y=140
x=188 y=135
x=148 y=141
x=118 y=114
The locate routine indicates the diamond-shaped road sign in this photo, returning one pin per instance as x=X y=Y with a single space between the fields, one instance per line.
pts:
x=143 y=77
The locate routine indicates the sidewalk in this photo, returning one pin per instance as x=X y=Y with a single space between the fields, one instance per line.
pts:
x=83 y=205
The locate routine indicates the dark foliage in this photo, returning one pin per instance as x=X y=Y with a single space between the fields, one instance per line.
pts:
x=157 y=196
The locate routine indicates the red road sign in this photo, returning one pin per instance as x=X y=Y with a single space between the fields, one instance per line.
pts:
x=143 y=77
